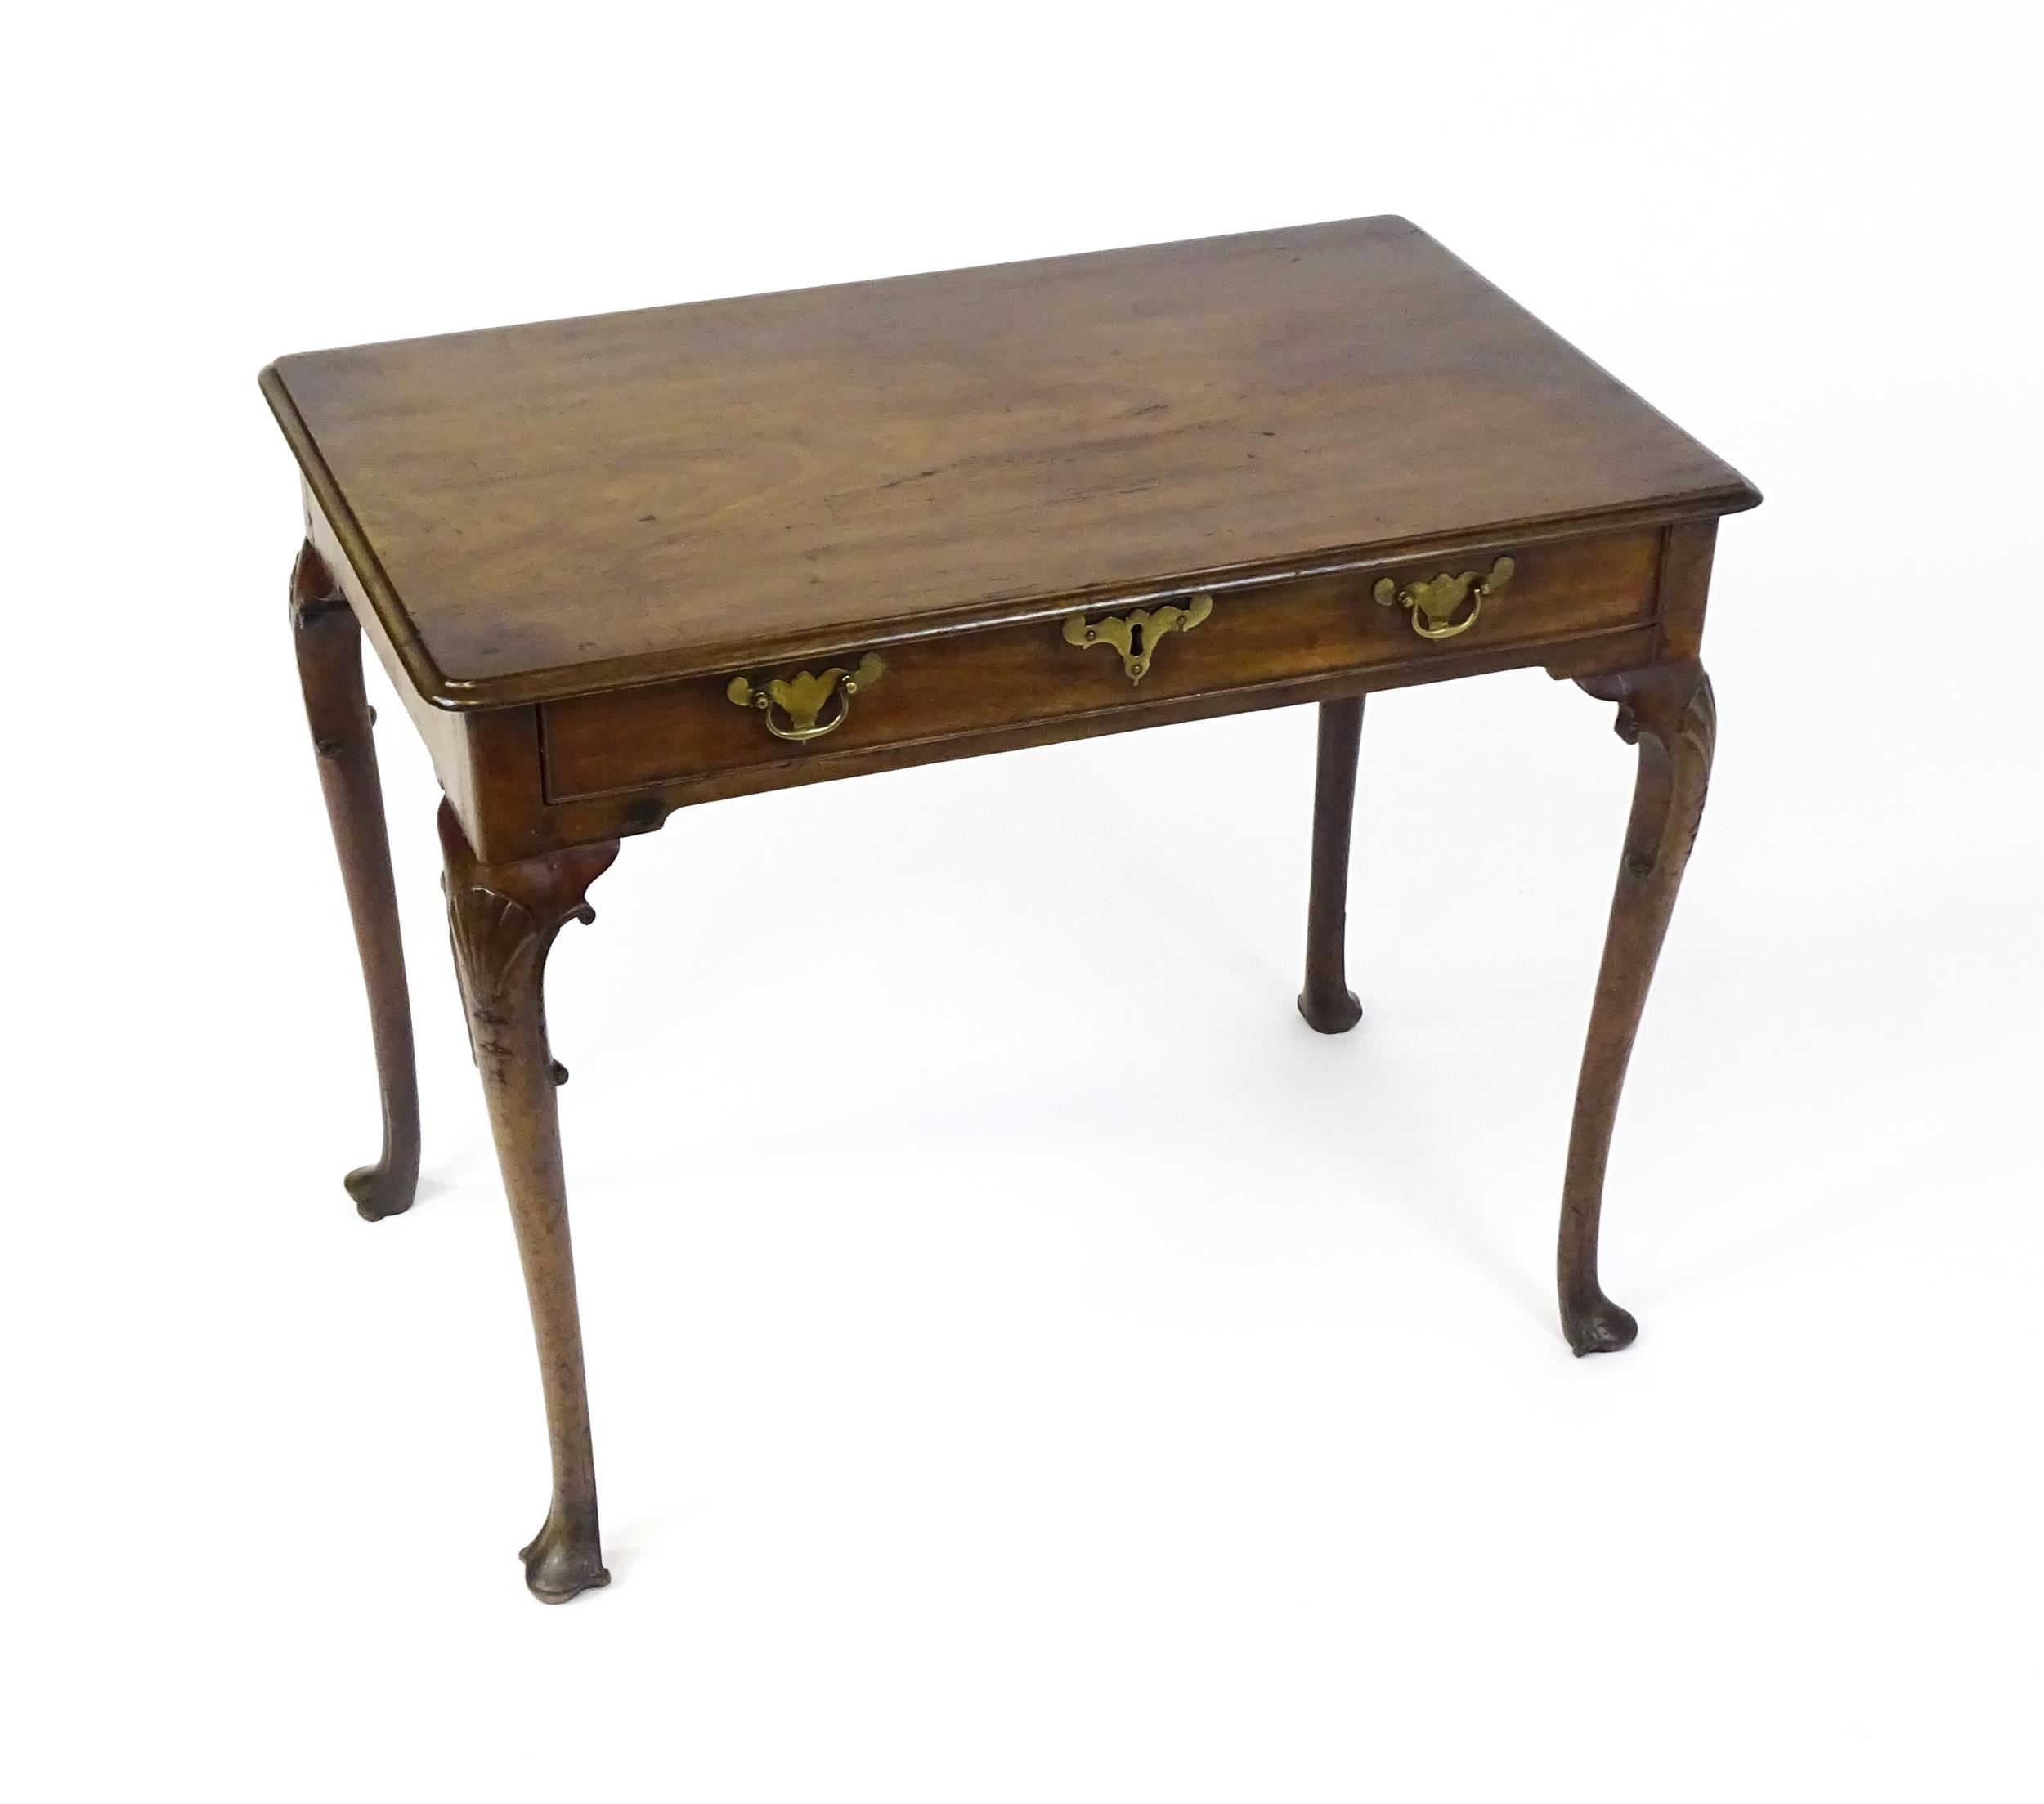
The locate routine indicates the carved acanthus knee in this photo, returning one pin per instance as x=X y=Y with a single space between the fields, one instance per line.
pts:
x=1672 y=708
x=504 y=919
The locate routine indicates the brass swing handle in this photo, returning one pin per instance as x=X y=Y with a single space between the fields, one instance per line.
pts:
x=804 y=697
x=1432 y=605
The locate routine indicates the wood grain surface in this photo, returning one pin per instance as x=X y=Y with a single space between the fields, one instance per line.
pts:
x=550 y=510
x=968 y=682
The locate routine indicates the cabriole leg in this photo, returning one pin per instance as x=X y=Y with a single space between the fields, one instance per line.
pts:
x=1328 y=1004
x=1669 y=712
x=504 y=917
x=330 y=653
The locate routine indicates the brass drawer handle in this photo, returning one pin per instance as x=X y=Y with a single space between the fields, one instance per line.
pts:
x=1136 y=634
x=1432 y=605
x=802 y=698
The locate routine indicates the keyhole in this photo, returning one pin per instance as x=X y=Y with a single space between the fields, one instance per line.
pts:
x=1136 y=640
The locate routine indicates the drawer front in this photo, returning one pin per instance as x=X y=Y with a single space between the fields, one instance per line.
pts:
x=1083 y=663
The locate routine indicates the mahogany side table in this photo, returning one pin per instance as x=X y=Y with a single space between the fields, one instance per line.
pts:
x=618 y=565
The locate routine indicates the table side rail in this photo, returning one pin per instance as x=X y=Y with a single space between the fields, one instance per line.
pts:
x=1374 y=623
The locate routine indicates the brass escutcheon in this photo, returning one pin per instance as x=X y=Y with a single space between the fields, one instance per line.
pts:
x=1135 y=634
x=1432 y=605
x=804 y=697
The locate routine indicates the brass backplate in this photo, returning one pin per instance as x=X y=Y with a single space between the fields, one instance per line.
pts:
x=1135 y=634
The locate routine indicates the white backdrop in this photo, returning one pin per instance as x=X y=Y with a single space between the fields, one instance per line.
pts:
x=1086 y=1383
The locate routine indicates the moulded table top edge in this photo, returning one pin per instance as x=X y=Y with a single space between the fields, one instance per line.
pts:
x=1726 y=493
x=564 y=682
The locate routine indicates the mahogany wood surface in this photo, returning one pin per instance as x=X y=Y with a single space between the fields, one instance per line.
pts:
x=545 y=510
x=1328 y=1004
x=1670 y=713
x=1005 y=676
x=567 y=543
x=330 y=653
x=502 y=920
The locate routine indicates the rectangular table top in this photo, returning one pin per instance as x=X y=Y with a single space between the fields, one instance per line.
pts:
x=548 y=510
